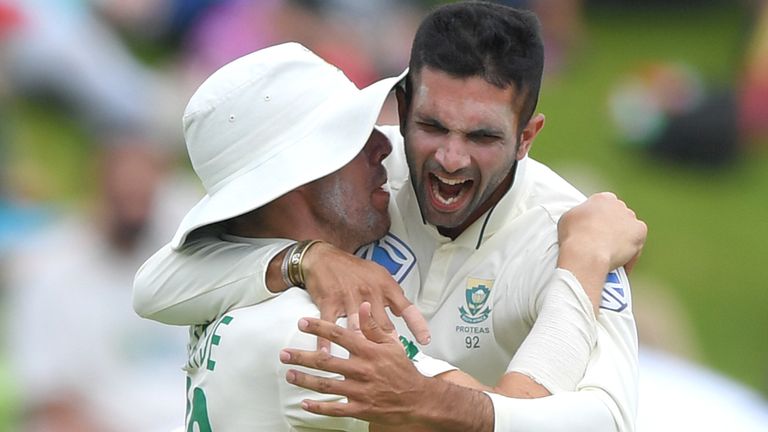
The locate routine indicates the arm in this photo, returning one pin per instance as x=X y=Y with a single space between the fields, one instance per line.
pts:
x=606 y=396
x=206 y=278
x=383 y=386
x=374 y=360
x=595 y=237
x=209 y=276
x=606 y=393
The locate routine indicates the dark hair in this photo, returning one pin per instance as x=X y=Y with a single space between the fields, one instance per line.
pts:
x=499 y=43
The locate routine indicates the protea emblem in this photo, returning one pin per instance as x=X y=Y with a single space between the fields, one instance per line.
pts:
x=476 y=296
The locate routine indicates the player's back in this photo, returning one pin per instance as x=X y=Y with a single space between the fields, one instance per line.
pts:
x=235 y=381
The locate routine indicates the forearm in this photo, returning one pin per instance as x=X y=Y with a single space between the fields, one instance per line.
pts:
x=556 y=351
x=607 y=373
x=517 y=406
x=590 y=269
x=450 y=407
x=206 y=278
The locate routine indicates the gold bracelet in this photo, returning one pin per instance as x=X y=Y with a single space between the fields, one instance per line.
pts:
x=284 y=266
x=295 y=260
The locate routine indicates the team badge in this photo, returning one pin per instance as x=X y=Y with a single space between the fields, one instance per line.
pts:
x=477 y=294
x=391 y=253
x=615 y=293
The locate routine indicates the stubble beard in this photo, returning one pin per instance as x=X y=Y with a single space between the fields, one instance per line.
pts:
x=351 y=225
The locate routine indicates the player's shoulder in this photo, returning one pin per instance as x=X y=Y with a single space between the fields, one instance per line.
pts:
x=254 y=335
x=551 y=192
x=279 y=313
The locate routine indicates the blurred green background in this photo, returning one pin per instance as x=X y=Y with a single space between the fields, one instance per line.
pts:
x=708 y=227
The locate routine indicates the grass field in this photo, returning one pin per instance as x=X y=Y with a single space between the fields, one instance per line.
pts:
x=708 y=228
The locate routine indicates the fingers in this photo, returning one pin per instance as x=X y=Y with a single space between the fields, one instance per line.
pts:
x=379 y=314
x=417 y=324
x=346 y=338
x=323 y=344
x=321 y=360
x=333 y=409
x=353 y=322
x=328 y=316
x=315 y=383
x=606 y=195
x=370 y=328
x=351 y=304
x=628 y=266
x=415 y=321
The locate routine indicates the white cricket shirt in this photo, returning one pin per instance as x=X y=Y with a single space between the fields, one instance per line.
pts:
x=480 y=293
x=235 y=380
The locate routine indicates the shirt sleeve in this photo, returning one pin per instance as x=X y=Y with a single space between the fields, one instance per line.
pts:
x=612 y=371
x=198 y=283
x=571 y=411
x=609 y=386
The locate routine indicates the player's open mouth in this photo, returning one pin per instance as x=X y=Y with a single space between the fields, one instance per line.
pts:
x=380 y=196
x=449 y=194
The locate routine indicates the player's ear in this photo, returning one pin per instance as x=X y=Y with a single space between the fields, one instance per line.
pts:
x=532 y=128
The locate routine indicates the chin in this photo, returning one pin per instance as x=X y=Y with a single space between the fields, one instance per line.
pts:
x=378 y=229
x=444 y=220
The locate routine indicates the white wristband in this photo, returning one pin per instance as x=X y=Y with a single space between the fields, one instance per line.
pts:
x=426 y=365
x=582 y=411
x=556 y=351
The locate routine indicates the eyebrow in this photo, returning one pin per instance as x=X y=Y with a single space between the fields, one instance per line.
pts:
x=429 y=120
x=486 y=132
x=482 y=131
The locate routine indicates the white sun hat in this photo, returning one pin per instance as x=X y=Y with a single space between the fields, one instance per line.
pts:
x=270 y=122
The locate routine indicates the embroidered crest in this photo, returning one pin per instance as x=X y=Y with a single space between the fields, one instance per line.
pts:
x=615 y=293
x=391 y=253
x=476 y=296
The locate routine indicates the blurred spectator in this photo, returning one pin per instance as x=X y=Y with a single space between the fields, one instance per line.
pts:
x=367 y=40
x=668 y=109
x=753 y=91
x=348 y=34
x=82 y=359
x=62 y=51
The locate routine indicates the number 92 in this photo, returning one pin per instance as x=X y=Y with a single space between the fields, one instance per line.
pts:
x=472 y=342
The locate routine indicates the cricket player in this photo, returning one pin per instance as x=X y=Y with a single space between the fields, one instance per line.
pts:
x=473 y=242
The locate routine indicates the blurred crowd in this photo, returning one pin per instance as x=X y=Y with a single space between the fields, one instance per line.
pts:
x=80 y=359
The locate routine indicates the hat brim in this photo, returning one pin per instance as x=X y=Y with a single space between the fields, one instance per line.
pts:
x=337 y=132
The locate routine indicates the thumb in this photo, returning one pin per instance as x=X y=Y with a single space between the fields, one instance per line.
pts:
x=370 y=328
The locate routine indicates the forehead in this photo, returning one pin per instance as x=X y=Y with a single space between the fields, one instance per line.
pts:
x=463 y=102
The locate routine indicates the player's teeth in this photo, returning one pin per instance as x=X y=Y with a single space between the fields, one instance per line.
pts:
x=451 y=181
x=447 y=201
x=439 y=196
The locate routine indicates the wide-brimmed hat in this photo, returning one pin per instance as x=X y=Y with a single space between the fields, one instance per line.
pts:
x=270 y=122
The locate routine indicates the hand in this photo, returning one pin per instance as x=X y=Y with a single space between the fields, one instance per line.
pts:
x=338 y=282
x=380 y=382
x=598 y=236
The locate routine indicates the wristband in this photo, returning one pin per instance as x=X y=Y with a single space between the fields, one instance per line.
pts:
x=294 y=270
